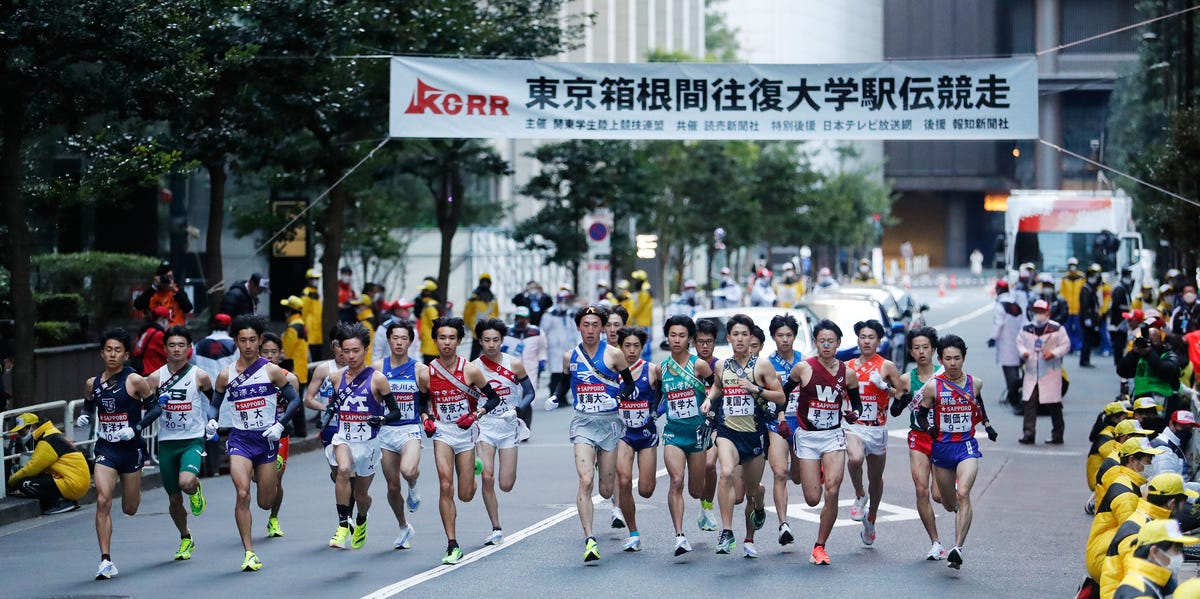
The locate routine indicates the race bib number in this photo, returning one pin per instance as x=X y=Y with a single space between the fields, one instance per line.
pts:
x=107 y=425
x=352 y=426
x=593 y=398
x=682 y=403
x=738 y=402
x=452 y=411
x=635 y=412
x=404 y=392
x=253 y=414
x=955 y=422
x=870 y=411
x=176 y=415
x=824 y=418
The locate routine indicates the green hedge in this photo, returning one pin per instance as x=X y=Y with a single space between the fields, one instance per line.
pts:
x=59 y=306
x=49 y=333
x=103 y=280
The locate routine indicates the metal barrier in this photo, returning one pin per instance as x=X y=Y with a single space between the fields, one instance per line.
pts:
x=68 y=411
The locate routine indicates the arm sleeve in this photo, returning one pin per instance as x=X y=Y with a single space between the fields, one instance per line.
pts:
x=422 y=402
x=493 y=400
x=393 y=410
x=152 y=410
x=897 y=407
x=627 y=384
x=185 y=303
x=922 y=415
x=527 y=392
x=789 y=386
x=982 y=408
x=288 y=392
x=855 y=399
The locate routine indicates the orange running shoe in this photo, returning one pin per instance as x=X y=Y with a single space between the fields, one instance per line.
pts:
x=819 y=557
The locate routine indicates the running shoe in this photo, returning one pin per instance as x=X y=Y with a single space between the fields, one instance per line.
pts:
x=749 y=550
x=633 y=543
x=858 y=510
x=707 y=520
x=251 y=563
x=496 y=538
x=785 y=534
x=758 y=518
x=414 y=499
x=478 y=466
x=63 y=506
x=197 y=501
x=618 y=519
x=1089 y=508
x=954 y=558
x=185 y=549
x=591 y=551
x=279 y=463
x=359 y=538
x=725 y=542
x=404 y=541
x=273 y=529
x=867 y=534
x=339 y=538
x=107 y=570
x=682 y=545
x=936 y=552
x=453 y=554
x=819 y=557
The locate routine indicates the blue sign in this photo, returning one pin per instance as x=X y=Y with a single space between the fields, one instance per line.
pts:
x=598 y=232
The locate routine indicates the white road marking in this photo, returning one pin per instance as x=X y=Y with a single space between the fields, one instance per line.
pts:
x=887 y=513
x=509 y=540
x=964 y=318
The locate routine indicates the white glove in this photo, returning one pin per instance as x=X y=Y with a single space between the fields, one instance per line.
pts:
x=210 y=428
x=83 y=421
x=876 y=379
x=125 y=433
x=551 y=404
x=273 y=433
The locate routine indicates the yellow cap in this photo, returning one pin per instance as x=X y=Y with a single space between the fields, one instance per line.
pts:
x=622 y=284
x=638 y=274
x=1169 y=484
x=1115 y=407
x=1188 y=590
x=428 y=285
x=485 y=275
x=1129 y=427
x=24 y=420
x=1164 y=531
x=293 y=303
x=1144 y=403
x=312 y=273
x=1136 y=446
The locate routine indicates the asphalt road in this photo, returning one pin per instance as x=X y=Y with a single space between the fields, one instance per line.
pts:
x=1027 y=539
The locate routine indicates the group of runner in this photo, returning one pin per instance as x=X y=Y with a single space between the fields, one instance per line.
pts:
x=725 y=421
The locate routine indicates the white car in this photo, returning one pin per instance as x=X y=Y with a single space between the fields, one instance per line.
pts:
x=762 y=317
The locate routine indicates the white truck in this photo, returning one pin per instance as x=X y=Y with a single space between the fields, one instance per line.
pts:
x=1046 y=227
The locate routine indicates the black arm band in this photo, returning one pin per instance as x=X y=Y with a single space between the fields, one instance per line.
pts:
x=855 y=399
x=422 y=402
x=982 y=408
x=527 y=393
x=790 y=386
x=493 y=400
x=218 y=398
x=627 y=385
x=393 y=410
x=922 y=415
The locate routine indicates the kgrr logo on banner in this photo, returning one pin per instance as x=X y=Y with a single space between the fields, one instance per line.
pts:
x=429 y=99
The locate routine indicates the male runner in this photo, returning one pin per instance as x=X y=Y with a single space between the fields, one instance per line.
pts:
x=640 y=441
x=600 y=381
x=500 y=431
x=454 y=388
x=866 y=439
x=779 y=428
x=921 y=343
x=360 y=394
x=706 y=342
x=253 y=385
x=126 y=404
x=271 y=348
x=617 y=317
x=682 y=392
x=401 y=440
x=956 y=399
x=741 y=391
x=183 y=391
x=824 y=384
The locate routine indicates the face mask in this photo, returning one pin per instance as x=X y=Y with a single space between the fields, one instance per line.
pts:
x=1185 y=435
x=1189 y=298
x=1048 y=292
x=1175 y=563
x=1041 y=319
x=1127 y=282
x=27 y=440
x=344 y=279
x=864 y=269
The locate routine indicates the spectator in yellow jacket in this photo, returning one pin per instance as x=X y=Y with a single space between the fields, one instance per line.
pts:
x=312 y=311
x=1070 y=288
x=295 y=337
x=480 y=306
x=428 y=304
x=57 y=473
x=1119 y=501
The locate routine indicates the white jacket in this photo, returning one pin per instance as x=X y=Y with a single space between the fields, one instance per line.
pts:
x=1005 y=328
x=1168 y=461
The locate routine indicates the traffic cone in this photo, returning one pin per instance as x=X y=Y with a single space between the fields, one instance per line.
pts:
x=941 y=290
x=953 y=281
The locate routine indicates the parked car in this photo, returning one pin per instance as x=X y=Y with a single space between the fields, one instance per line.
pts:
x=762 y=317
x=845 y=310
x=900 y=306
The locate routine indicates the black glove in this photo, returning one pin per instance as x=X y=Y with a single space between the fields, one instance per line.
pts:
x=991 y=343
x=992 y=434
x=375 y=421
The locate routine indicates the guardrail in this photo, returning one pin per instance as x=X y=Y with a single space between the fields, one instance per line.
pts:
x=65 y=413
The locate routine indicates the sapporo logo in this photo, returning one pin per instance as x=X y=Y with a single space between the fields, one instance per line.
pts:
x=431 y=100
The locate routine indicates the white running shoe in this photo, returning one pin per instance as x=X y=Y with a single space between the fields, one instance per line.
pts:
x=414 y=499
x=633 y=543
x=936 y=552
x=749 y=549
x=618 y=519
x=404 y=541
x=858 y=510
x=682 y=545
x=867 y=534
x=107 y=570
x=495 y=538
x=708 y=520
x=785 y=534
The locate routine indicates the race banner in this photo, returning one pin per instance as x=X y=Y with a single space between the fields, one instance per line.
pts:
x=909 y=100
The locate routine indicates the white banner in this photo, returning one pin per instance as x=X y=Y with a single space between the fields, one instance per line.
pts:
x=473 y=98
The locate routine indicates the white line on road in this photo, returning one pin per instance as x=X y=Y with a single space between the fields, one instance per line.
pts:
x=412 y=581
x=964 y=318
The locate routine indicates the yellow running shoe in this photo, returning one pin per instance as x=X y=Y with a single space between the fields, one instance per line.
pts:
x=338 y=541
x=273 y=529
x=185 y=549
x=197 y=501
x=453 y=554
x=591 y=551
x=251 y=563
x=359 y=538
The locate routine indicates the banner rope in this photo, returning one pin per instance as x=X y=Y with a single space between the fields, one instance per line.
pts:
x=1120 y=173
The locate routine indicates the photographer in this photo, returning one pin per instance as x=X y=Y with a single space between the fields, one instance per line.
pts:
x=1153 y=366
x=164 y=292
